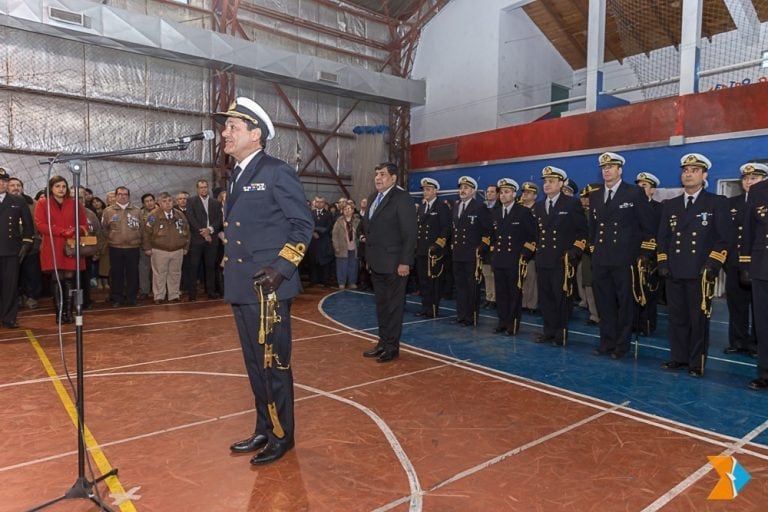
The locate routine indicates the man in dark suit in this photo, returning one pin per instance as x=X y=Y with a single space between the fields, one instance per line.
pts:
x=753 y=261
x=620 y=230
x=512 y=244
x=320 y=252
x=389 y=228
x=646 y=315
x=16 y=237
x=694 y=238
x=739 y=297
x=561 y=241
x=434 y=228
x=205 y=221
x=471 y=244
x=262 y=253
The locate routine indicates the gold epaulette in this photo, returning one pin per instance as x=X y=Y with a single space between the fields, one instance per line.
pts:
x=531 y=246
x=440 y=241
x=745 y=259
x=293 y=252
x=649 y=244
x=486 y=240
x=27 y=240
x=581 y=244
x=719 y=256
x=662 y=256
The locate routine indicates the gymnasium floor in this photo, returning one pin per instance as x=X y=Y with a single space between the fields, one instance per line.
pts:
x=464 y=420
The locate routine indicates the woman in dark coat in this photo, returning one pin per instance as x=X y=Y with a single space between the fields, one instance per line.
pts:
x=54 y=232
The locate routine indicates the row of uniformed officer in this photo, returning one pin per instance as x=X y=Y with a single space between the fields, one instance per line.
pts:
x=434 y=229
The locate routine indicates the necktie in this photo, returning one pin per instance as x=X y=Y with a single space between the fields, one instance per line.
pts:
x=550 y=206
x=236 y=172
x=426 y=208
x=610 y=196
x=376 y=202
x=689 y=203
x=461 y=209
x=504 y=213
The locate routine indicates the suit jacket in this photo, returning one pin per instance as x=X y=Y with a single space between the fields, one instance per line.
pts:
x=16 y=225
x=753 y=255
x=198 y=220
x=618 y=231
x=434 y=224
x=563 y=228
x=690 y=238
x=737 y=208
x=277 y=236
x=321 y=248
x=512 y=235
x=471 y=231
x=390 y=234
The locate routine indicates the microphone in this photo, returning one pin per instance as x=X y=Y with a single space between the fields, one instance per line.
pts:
x=185 y=139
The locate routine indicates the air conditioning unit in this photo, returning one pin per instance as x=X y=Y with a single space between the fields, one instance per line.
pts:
x=69 y=17
x=327 y=76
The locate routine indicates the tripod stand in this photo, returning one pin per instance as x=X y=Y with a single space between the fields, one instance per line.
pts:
x=84 y=488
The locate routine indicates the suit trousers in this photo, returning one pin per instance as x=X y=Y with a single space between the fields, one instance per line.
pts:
x=509 y=302
x=613 y=295
x=531 y=288
x=467 y=290
x=490 y=284
x=688 y=330
x=430 y=289
x=554 y=304
x=9 y=288
x=205 y=252
x=739 y=301
x=124 y=274
x=166 y=273
x=247 y=320
x=760 y=296
x=389 y=290
x=145 y=274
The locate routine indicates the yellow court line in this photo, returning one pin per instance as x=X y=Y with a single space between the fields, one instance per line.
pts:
x=113 y=483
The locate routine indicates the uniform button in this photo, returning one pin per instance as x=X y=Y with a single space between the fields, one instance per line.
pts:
x=693 y=242
x=602 y=224
x=226 y=224
x=238 y=242
x=677 y=242
x=693 y=251
x=694 y=233
x=225 y=241
x=614 y=240
x=678 y=234
x=615 y=223
x=600 y=241
x=741 y=227
x=225 y=259
x=239 y=260
x=237 y=223
x=677 y=251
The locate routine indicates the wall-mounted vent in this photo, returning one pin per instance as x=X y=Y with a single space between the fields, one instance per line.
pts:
x=72 y=18
x=443 y=152
x=327 y=76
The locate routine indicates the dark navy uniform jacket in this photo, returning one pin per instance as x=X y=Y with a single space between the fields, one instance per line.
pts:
x=564 y=228
x=690 y=238
x=754 y=248
x=16 y=225
x=268 y=224
x=471 y=231
x=511 y=235
x=618 y=231
x=434 y=224
x=737 y=208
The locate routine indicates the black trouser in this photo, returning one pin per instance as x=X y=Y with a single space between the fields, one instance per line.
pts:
x=467 y=290
x=430 y=288
x=739 y=300
x=509 y=298
x=124 y=274
x=555 y=305
x=9 y=288
x=389 y=290
x=205 y=252
x=247 y=319
x=320 y=273
x=760 y=296
x=31 y=277
x=688 y=331
x=613 y=295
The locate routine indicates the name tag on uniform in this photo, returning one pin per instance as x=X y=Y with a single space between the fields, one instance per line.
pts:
x=562 y=213
x=255 y=187
x=626 y=205
x=516 y=223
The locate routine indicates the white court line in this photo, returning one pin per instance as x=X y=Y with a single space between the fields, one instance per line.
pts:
x=586 y=400
x=499 y=458
x=699 y=473
x=413 y=480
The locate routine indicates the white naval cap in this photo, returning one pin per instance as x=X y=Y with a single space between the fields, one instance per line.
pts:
x=609 y=158
x=429 y=182
x=648 y=178
x=755 y=168
x=249 y=110
x=696 y=159
x=554 y=172
x=508 y=183
x=468 y=180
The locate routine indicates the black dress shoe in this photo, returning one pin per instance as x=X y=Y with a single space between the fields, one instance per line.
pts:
x=674 y=365
x=617 y=355
x=420 y=313
x=696 y=372
x=512 y=332
x=374 y=352
x=11 y=325
x=599 y=352
x=731 y=350
x=254 y=443
x=388 y=355
x=541 y=338
x=590 y=322
x=492 y=305
x=214 y=296
x=498 y=330
x=271 y=453
x=759 y=384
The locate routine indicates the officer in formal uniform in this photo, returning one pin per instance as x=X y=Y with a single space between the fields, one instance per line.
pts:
x=434 y=228
x=694 y=238
x=512 y=244
x=262 y=253
x=470 y=243
x=584 y=271
x=529 y=193
x=646 y=314
x=753 y=261
x=620 y=231
x=16 y=238
x=562 y=237
x=738 y=296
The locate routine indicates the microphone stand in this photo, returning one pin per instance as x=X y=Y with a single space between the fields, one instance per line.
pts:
x=83 y=488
